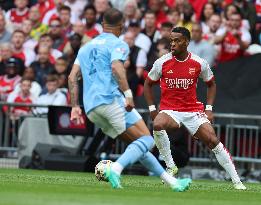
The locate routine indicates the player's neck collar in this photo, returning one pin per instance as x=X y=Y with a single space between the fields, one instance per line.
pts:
x=189 y=54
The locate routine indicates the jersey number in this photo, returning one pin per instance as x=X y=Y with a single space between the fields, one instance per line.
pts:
x=93 y=58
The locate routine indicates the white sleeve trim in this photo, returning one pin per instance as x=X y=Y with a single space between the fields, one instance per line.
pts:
x=76 y=62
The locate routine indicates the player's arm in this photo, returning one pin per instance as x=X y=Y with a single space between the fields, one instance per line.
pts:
x=148 y=94
x=119 y=72
x=211 y=95
x=75 y=75
x=152 y=78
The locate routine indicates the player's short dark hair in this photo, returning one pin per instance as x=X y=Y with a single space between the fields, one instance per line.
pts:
x=18 y=31
x=113 y=17
x=25 y=79
x=184 y=31
x=89 y=7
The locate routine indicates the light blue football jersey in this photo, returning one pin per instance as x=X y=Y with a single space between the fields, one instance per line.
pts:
x=95 y=58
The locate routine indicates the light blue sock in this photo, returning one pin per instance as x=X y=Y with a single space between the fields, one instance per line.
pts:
x=136 y=150
x=149 y=161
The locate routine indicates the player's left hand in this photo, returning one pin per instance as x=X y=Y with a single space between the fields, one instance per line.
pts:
x=76 y=115
x=129 y=104
x=210 y=115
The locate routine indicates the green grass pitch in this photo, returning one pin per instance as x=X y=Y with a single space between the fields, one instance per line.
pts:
x=33 y=187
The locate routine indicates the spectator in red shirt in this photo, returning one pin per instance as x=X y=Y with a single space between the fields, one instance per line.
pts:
x=17 y=40
x=19 y=13
x=234 y=39
x=10 y=79
x=23 y=96
x=92 y=29
x=157 y=7
x=65 y=15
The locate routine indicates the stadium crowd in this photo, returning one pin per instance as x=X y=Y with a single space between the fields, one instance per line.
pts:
x=39 y=39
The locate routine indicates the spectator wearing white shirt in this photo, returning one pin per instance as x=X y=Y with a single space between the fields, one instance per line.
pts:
x=201 y=47
x=141 y=40
x=54 y=96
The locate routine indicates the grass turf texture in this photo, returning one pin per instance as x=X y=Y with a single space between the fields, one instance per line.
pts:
x=33 y=187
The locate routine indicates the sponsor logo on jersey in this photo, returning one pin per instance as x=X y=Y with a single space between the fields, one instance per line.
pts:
x=178 y=82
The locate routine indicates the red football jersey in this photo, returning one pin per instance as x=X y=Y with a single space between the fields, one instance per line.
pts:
x=18 y=17
x=7 y=85
x=230 y=47
x=178 y=81
x=18 y=98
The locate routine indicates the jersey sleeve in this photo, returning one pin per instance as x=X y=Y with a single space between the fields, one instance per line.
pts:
x=206 y=73
x=120 y=52
x=156 y=71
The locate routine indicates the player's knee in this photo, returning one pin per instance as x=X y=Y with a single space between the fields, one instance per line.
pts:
x=158 y=126
x=212 y=140
x=147 y=142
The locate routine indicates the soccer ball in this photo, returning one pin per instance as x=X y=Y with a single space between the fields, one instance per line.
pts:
x=100 y=169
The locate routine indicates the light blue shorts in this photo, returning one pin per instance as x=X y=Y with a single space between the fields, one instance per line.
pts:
x=113 y=119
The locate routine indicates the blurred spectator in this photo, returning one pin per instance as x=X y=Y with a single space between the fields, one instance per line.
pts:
x=131 y=12
x=141 y=39
x=17 y=40
x=53 y=13
x=247 y=9
x=207 y=11
x=165 y=29
x=29 y=43
x=10 y=79
x=75 y=45
x=161 y=48
x=187 y=17
x=38 y=28
x=42 y=67
x=5 y=54
x=5 y=35
x=101 y=6
x=59 y=39
x=258 y=10
x=53 y=96
x=65 y=15
x=214 y=24
x=232 y=9
x=61 y=69
x=233 y=38
x=77 y=7
x=201 y=47
x=150 y=29
x=157 y=6
x=136 y=63
x=19 y=13
x=46 y=40
x=174 y=17
x=92 y=28
x=23 y=96
x=35 y=89
x=44 y=6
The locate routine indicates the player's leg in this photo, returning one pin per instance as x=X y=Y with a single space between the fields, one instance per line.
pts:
x=207 y=134
x=138 y=132
x=162 y=122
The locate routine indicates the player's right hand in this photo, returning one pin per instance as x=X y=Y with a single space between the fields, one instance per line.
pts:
x=153 y=114
x=129 y=104
x=76 y=115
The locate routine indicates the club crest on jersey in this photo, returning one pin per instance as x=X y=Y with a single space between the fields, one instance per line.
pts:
x=192 y=71
x=170 y=72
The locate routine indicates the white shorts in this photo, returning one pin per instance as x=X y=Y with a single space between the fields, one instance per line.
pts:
x=191 y=120
x=113 y=119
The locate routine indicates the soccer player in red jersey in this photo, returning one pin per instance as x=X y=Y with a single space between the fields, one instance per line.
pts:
x=178 y=72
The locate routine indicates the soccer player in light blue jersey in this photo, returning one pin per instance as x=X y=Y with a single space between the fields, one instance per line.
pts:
x=100 y=63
